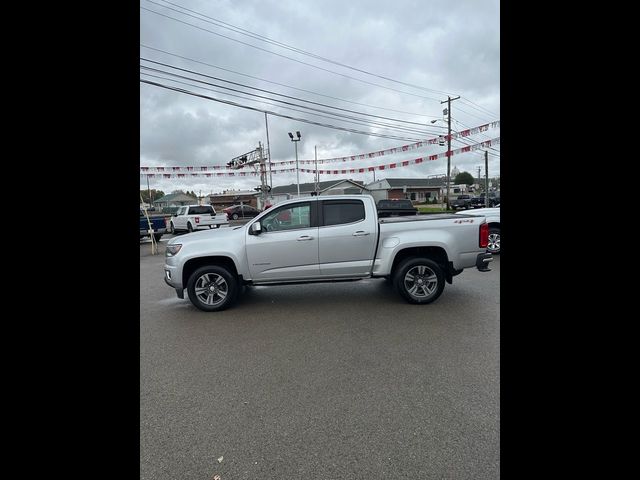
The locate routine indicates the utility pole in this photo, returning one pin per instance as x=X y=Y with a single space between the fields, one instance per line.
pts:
x=486 y=178
x=317 y=174
x=263 y=175
x=448 y=113
x=268 y=152
x=149 y=192
x=479 y=167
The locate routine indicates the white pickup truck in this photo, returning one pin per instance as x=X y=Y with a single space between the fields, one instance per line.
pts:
x=195 y=217
x=326 y=239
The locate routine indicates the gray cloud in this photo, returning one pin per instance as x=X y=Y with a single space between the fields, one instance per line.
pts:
x=449 y=46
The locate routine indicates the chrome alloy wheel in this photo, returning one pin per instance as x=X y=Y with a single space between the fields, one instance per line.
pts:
x=420 y=282
x=494 y=243
x=211 y=289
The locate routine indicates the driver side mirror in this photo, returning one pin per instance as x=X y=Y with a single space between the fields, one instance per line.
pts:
x=255 y=229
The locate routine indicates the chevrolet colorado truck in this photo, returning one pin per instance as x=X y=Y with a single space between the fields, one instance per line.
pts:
x=326 y=239
x=195 y=217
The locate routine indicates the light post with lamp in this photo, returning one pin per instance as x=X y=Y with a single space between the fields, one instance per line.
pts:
x=294 y=140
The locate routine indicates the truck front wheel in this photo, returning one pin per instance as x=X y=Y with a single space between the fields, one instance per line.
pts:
x=419 y=280
x=212 y=288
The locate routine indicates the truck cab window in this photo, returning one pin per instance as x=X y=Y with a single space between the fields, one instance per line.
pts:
x=336 y=212
x=288 y=218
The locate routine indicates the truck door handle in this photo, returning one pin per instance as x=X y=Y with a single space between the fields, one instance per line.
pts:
x=305 y=237
x=360 y=233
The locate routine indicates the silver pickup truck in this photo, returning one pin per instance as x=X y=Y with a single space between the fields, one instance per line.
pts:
x=322 y=239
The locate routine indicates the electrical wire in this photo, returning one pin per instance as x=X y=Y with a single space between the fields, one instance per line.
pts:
x=289 y=58
x=285 y=85
x=276 y=114
x=276 y=93
x=242 y=31
x=333 y=116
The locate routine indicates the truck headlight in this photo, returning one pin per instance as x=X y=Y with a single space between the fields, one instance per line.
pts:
x=173 y=249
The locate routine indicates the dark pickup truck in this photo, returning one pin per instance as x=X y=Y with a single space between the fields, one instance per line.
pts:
x=463 y=201
x=395 y=208
x=479 y=202
x=158 y=225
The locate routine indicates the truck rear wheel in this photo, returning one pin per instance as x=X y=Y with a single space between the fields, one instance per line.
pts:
x=212 y=288
x=189 y=227
x=419 y=280
x=171 y=228
x=157 y=236
x=494 y=241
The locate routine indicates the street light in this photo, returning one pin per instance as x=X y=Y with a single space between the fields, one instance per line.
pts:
x=294 y=140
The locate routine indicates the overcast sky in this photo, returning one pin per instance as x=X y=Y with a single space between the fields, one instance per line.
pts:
x=444 y=46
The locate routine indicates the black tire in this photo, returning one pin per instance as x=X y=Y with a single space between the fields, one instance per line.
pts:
x=428 y=280
x=234 y=216
x=189 y=227
x=172 y=229
x=157 y=236
x=223 y=282
x=494 y=241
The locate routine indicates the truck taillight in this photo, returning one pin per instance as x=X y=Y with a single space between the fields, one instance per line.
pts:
x=197 y=219
x=484 y=235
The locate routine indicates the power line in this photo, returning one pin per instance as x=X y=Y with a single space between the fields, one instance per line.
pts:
x=334 y=116
x=285 y=85
x=242 y=31
x=276 y=114
x=288 y=58
x=480 y=108
x=275 y=93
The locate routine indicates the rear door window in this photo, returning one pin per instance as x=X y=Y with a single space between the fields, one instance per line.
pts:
x=337 y=212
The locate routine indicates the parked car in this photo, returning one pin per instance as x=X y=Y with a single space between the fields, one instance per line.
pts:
x=395 y=208
x=241 y=211
x=196 y=217
x=158 y=225
x=479 y=201
x=462 y=201
x=492 y=216
x=327 y=239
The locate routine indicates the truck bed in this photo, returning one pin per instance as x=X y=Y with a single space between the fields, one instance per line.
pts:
x=421 y=218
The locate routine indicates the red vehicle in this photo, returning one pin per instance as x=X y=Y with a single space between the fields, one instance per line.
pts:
x=240 y=211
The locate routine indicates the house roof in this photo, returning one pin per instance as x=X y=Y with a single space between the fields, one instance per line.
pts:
x=175 y=197
x=310 y=187
x=414 y=182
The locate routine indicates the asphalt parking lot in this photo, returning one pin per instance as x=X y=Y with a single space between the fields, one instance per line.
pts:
x=340 y=381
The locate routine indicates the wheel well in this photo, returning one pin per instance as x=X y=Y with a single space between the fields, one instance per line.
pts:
x=494 y=225
x=437 y=254
x=195 y=263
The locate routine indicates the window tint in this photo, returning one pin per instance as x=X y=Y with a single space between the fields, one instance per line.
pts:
x=288 y=218
x=201 y=210
x=336 y=212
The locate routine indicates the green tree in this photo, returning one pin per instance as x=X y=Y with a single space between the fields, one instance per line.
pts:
x=155 y=195
x=464 y=177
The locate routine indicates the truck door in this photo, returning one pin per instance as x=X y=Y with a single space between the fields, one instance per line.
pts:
x=287 y=248
x=347 y=238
